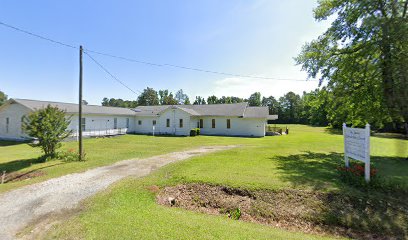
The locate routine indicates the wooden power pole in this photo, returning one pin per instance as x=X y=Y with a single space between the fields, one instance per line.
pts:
x=80 y=105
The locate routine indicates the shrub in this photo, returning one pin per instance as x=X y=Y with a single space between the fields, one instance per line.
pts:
x=49 y=127
x=198 y=131
x=193 y=133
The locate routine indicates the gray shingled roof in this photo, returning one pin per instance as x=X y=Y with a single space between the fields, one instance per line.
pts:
x=229 y=110
x=73 y=108
x=256 y=112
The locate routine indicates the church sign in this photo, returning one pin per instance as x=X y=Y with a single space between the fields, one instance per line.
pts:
x=357 y=146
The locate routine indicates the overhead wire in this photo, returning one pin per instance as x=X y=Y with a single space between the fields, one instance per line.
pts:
x=109 y=73
x=87 y=51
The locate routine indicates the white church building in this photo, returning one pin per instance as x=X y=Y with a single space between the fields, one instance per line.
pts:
x=216 y=119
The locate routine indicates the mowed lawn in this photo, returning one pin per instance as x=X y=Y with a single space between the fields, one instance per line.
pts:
x=304 y=159
x=23 y=158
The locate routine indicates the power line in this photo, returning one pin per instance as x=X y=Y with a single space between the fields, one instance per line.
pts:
x=150 y=63
x=109 y=73
x=38 y=36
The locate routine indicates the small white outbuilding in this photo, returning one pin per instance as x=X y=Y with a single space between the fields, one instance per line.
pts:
x=218 y=119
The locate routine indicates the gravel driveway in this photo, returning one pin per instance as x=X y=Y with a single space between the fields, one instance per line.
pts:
x=24 y=205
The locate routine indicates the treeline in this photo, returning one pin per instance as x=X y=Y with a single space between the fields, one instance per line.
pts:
x=320 y=107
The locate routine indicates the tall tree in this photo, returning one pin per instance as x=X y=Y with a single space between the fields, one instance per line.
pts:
x=181 y=96
x=255 y=99
x=148 y=97
x=199 y=101
x=166 y=98
x=3 y=98
x=271 y=103
x=113 y=102
x=290 y=108
x=212 y=99
x=315 y=105
x=187 y=101
x=364 y=57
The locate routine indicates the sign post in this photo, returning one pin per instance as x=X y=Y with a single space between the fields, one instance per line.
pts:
x=357 y=146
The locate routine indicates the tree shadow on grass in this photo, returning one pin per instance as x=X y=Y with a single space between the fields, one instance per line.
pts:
x=316 y=170
x=4 y=143
x=17 y=165
x=367 y=211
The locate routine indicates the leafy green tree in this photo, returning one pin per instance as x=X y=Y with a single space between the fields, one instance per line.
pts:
x=3 y=98
x=255 y=99
x=49 y=127
x=212 y=99
x=181 y=96
x=113 y=102
x=166 y=98
x=272 y=104
x=315 y=105
x=148 y=97
x=199 y=101
x=363 y=57
x=290 y=108
x=187 y=101
x=237 y=100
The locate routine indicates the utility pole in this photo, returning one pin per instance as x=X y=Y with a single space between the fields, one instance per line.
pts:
x=80 y=105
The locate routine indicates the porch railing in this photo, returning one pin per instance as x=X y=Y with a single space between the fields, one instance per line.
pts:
x=101 y=132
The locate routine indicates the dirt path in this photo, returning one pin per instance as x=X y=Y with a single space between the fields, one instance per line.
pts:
x=24 y=205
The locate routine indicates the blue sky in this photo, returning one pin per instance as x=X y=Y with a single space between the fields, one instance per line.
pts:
x=243 y=37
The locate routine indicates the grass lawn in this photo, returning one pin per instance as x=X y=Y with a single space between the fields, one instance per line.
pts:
x=305 y=159
x=22 y=158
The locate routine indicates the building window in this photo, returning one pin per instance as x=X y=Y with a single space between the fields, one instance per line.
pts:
x=83 y=124
x=167 y=122
x=228 y=123
x=154 y=122
x=115 y=123
x=201 y=123
x=213 y=123
x=139 y=122
x=7 y=124
x=127 y=122
x=181 y=123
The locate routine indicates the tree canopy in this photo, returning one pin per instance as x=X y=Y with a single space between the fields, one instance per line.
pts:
x=363 y=57
x=255 y=99
x=148 y=97
x=3 y=98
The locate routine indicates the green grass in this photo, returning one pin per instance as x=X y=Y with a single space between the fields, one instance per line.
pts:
x=129 y=211
x=305 y=159
x=103 y=151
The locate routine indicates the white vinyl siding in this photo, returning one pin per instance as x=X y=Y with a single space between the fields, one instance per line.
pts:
x=83 y=124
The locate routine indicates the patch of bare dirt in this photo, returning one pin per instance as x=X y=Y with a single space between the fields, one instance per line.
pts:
x=296 y=210
x=20 y=176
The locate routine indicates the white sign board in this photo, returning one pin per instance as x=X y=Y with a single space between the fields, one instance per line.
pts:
x=357 y=146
